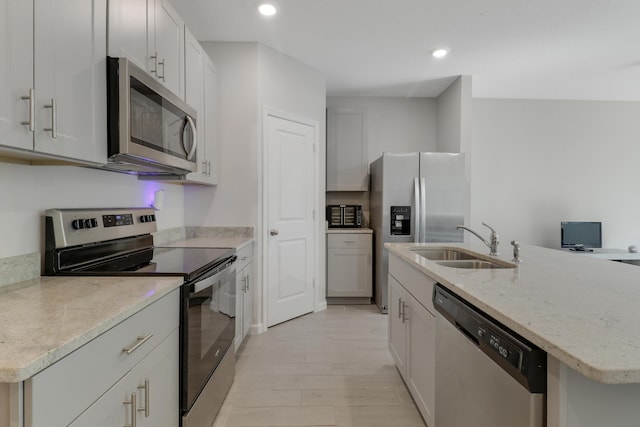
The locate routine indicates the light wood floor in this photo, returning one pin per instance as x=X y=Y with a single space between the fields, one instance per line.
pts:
x=324 y=369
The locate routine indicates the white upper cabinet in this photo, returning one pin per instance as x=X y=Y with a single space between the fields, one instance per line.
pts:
x=201 y=94
x=347 y=154
x=70 y=75
x=166 y=41
x=150 y=33
x=54 y=78
x=16 y=72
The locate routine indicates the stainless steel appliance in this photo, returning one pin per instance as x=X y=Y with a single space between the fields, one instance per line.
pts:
x=108 y=242
x=486 y=375
x=151 y=131
x=344 y=216
x=415 y=197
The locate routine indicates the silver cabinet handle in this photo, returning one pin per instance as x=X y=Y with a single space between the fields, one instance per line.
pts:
x=348 y=241
x=247 y=281
x=274 y=232
x=146 y=409
x=204 y=167
x=137 y=344
x=244 y=258
x=32 y=110
x=400 y=308
x=404 y=312
x=194 y=140
x=209 y=167
x=54 y=127
x=155 y=61
x=134 y=405
x=244 y=287
x=159 y=64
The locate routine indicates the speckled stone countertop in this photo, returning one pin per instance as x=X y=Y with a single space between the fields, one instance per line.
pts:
x=47 y=318
x=211 y=237
x=583 y=311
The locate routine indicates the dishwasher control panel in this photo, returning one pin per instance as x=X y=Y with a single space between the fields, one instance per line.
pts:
x=500 y=345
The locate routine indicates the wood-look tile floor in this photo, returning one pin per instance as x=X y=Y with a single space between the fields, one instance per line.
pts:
x=330 y=368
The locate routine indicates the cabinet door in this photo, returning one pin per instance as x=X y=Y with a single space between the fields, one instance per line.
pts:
x=211 y=118
x=127 y=32
x=349 y=272
x=421 y=358
x=160 y=369
x=194 y=96
x=16 y=72
x=70 y=75
x=347 y=158
x=397 y=325
x=169 y=45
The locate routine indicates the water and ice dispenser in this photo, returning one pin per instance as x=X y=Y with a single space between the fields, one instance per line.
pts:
x=400 y=220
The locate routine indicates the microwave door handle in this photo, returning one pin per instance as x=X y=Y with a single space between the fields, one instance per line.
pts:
x=194 y=139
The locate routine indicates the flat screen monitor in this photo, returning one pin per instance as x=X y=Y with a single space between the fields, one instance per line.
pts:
x=581 y=234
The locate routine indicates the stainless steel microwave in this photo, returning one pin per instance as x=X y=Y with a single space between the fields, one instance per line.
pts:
x=151 y=131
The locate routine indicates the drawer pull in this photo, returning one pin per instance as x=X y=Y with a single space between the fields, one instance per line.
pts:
x=349 y=241
x=133 y=404
x=138 y=343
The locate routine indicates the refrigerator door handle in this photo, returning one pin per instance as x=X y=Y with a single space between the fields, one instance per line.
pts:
x=423 y=210
x=416 y=214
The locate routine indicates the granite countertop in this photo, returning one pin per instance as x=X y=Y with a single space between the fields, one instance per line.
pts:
x=581 y=310
x=363 y=230
x=47 y=318
x=236 y=242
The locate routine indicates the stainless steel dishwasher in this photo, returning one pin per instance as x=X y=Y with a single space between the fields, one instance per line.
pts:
x=486 y=375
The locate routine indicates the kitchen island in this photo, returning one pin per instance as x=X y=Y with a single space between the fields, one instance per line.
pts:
x=581 y=311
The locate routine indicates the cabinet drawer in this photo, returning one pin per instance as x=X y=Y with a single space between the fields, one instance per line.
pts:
x=346 y=240
x=58 y=394
x=245 y=256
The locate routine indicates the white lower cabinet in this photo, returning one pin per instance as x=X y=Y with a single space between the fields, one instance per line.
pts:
x=349 y=266
x=145 y=396
x=412 y=333
x=94 y=385
x=244 y=293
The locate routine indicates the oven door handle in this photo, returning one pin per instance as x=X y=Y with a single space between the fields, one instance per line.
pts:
x=224 y=271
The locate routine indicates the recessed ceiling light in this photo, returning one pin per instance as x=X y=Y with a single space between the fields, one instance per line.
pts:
x=440 y=53
x=267 y=9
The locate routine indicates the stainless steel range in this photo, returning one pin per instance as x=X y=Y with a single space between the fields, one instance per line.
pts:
x=107 y=242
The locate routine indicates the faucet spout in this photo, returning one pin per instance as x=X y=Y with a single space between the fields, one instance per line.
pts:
x=492 y=245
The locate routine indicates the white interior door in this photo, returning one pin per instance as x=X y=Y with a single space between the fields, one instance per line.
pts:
x=290 y=224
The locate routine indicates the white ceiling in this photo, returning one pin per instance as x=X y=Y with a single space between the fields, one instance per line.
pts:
x=541 y=49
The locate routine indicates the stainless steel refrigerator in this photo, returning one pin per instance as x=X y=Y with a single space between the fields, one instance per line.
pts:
x=414 y=197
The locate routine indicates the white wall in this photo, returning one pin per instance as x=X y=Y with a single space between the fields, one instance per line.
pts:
x=27 y=191
x=537 y=163
x=394 y=124
x=253 y=78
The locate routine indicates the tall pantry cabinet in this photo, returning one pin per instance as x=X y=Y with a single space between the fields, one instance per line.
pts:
x=52 y=78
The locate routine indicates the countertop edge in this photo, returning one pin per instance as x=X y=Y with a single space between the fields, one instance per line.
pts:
x=19 y=374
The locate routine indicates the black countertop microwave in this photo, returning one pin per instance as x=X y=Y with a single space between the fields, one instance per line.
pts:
x=344 y=216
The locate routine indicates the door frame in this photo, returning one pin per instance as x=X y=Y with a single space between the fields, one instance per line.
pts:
x=319 y=302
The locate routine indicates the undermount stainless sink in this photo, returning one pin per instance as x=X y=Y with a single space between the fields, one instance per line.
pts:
x=471 y=263
x=454 y=258
x=443 y=254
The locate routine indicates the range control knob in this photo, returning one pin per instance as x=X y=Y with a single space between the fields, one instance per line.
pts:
x=77 y=224
x=87 y=223
x=152 y=218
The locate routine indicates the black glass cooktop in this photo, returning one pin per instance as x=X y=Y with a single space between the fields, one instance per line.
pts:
x=187 y=262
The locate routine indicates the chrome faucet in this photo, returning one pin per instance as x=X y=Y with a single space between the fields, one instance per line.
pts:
x=495 y=239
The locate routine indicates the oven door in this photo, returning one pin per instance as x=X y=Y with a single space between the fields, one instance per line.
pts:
x=207 y=330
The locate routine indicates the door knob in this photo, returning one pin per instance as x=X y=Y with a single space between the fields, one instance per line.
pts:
x=274 y=232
